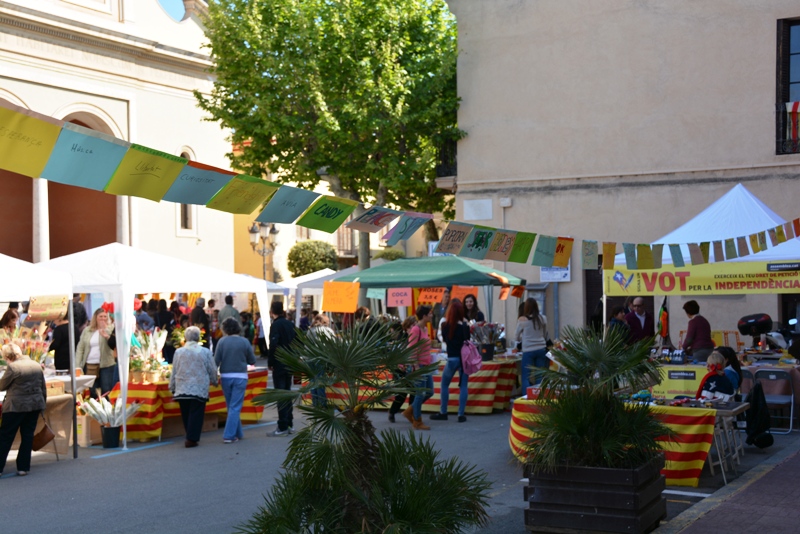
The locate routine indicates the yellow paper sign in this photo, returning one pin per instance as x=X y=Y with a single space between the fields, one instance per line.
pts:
x=145 y=172
x=340 y=297
x=563 y=252
x=431 y=295
x=48 y=308
x=26 y=140
x=243 y=194
x=644 y=256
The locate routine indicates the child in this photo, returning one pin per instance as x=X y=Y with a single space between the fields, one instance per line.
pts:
x=715 y=384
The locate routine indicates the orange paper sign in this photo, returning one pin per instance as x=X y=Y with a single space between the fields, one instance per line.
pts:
x=518 y=291
x=398 y=296
x=340 y=297
x=459 y=292
x=504 y=292
x=431 y=295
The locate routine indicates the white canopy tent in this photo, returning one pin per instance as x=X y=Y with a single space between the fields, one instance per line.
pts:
x=122 y=271
x=22 y=280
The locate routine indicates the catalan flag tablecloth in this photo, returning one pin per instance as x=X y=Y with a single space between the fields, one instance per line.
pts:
x=157 y=403
x=685 y=456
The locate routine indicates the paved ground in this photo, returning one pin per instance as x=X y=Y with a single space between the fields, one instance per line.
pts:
x=163 y=487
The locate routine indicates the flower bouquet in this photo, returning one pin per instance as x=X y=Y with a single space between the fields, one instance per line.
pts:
x=485 y=333
x=107 y=414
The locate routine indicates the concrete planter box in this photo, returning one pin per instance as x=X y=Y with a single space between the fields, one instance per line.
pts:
x=596 y=499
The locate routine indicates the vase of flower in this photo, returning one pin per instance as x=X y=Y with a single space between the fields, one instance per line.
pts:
x=110 y=436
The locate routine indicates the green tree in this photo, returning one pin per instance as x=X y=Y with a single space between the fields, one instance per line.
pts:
x=358 y=93
x=339 y=476
x=311 y=256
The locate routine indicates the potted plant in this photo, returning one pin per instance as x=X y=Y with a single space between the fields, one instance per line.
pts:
x=594 y=460
x=109 y=416
x=339 y=475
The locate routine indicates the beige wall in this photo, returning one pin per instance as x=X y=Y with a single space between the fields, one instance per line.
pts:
x=619 y=121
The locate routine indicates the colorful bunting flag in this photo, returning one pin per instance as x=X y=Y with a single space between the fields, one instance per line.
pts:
x=762 y=240
x=644 y=257
x=84 y=158
x=408 y=224
x=718 y=254
x=545 y=251
x=26 y=139
x=696 y=254
x=563 y=251
x=705 y=250
x=589 y=255
x=741 y=243
x=327 y=213
x=501 y=246
x=243 y=194
x=730 y=249
x=454 y=237
x=287 y=205
x=658 y=255
x=374 y=219
x=773 y=237
x=630 y=256
x=788 y=229
x=523 y=243
x=609 y=254
x=677 y=255
x=478 y=242
x=754 y=243
x=780 y=234
x=146 y=173
x=197 y=184
x=796 y=226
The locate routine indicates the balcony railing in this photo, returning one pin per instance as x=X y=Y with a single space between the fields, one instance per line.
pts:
x=787 y=131
x=448 y=162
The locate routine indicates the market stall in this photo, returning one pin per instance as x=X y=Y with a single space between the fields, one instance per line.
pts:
x=157 y=405
x=121 y=271
x=685 y=455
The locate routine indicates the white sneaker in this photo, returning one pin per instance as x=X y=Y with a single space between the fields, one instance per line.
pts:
x=280 y=432
x=291 y=430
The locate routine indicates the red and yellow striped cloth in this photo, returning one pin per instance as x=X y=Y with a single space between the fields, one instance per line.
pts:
x=157 y=403
x=685 y=456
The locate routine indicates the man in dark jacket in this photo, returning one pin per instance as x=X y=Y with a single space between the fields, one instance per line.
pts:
x=641 y=322
x=281 y=334
x=199 y=318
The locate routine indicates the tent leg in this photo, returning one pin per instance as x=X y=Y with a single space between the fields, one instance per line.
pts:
x=71 y=316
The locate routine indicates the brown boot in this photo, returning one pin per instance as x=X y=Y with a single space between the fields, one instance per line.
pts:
x=419 y=425
x=408 y=413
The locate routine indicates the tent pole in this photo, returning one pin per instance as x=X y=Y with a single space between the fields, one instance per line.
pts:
x=71 y=316
x=605 y=311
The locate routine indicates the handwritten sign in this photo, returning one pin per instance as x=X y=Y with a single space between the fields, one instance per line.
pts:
x=145 y=172
x=408 y=224
x=243 y=194
x=609 y=251
x=26 y=139
x=454 y=237
x=373 y=219
x=48 y=308
x=376 y=293
x=84 y=157
x=545 y=251
x=431 y=295
x=478 y=242
x=563 y=251
x=589 y=255
x=340 y=297
x=327 y=213
x=762 y=241
x=459 y=292
x=521 y=250
x=198 y=183
x=501 y=246
x=286 y=205
x=781 y=235
x=398 y=296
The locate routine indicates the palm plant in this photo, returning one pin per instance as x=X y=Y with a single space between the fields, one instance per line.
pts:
x=583 y=421
x=339 y=475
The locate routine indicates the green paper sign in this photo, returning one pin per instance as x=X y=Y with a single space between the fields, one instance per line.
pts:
x=243 y=194
x=146 y=173
x=522 y=247
x=376 y=293
x=478 y=242
x=545 y=251
x=327 y=213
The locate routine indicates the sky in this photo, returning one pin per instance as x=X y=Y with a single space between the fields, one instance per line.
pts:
x=173 y=7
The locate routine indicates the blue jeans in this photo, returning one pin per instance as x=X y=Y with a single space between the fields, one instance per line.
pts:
x=453 y=365
x=530 y=361
x=109 y=376
x=421 y=396
x=233 y=389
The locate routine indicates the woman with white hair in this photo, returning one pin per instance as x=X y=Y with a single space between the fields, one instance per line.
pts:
x=26 y=398
x=193 y=370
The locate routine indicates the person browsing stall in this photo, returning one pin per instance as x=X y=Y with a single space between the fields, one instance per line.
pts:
x=532 y=332
x=455 y=332
x=418 y=338
x=233 y=355
x=94 y=354
x=281 y=334
x=471 y=310
x=697 y=341
x=193 y=370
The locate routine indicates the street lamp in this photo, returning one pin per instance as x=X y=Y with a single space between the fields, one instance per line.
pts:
x=265 y=233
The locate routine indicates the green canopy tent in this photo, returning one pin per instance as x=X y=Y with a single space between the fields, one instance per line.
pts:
x=436 y=271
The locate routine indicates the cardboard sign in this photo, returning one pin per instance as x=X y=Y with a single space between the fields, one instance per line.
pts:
x=328 y=213
x=374 y=219
x=478 y=242
x=408 y=224
x=48 y=308
x=243 y=194
x=431 y=295
x=459 y=292
x=341 y=297
x=398 y=296
x=376 y=293
x=145 y=172
x=454 y=237
x=521 y=250
x=501 y=246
